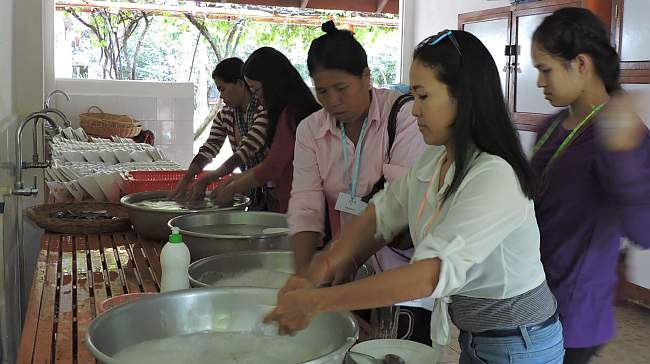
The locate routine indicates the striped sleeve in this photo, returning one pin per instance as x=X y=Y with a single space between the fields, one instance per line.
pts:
x=218 y=132
x=255 y=140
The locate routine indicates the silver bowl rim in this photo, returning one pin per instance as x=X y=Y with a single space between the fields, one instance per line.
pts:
x=205 y=290
x=197 y=283
x=127 y=201
x=171 y=223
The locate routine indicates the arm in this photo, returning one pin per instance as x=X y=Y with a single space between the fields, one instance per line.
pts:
x=207 y=152
x=624 y=174
x=253 y=142
x=307 y=203
x=475 y=225
x=623 y=162
x=297 y=308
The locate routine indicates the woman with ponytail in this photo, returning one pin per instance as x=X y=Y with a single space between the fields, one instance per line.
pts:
x=594 y=161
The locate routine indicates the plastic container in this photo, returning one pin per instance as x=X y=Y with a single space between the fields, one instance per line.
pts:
x=145 y=181
x=174 y=261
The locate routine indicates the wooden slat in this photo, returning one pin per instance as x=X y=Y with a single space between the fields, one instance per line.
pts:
x=28 y=338
x=127 y=265
x=149 y=283
x=98 y=275
x=44 y=335
x=85 y=309
x=153 y=258
x=115 y=280
x=64 y=333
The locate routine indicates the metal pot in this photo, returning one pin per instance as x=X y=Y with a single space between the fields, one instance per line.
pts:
x=151 y=223
x=204 y=272
x=204 y=310
x=212 y=233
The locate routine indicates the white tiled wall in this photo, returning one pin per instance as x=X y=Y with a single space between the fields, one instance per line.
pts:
x=167 y=109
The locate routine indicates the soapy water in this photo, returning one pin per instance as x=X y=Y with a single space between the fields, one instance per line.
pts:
x=251 y=278
x=223 y=348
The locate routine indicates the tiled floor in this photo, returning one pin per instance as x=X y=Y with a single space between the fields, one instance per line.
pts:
x=631 y=346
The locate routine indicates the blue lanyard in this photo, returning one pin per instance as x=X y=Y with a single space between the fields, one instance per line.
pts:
x=355 y=176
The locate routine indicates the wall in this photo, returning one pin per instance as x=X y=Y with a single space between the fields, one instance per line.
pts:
x=165 y=108
x=9 y=321
x=423 y=18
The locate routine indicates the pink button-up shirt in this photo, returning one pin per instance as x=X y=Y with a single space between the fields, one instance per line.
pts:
x=319 y=171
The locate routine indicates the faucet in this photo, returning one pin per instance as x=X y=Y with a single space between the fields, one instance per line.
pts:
x=19 y=187
x=46 y=104
x=47 y=109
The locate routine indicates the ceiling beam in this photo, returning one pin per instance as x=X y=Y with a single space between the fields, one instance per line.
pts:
x=381 y=4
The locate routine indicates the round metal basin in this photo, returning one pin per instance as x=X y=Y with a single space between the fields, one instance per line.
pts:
x=245 y=269
x=212 y=233
x=151 y=223
x=210 y=311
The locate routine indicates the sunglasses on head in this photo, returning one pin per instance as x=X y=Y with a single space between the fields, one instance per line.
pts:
x=435 y=39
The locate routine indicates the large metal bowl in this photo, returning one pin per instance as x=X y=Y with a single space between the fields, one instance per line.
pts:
x=207 y=271
x=152 y=223
x=202 y=310
x=212 y=233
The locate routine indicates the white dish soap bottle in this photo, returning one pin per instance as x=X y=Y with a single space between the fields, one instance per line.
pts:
x=174 y=261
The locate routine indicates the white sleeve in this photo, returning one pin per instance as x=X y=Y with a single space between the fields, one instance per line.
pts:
x=488 y=206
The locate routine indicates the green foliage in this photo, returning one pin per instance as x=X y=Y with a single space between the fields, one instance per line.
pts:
x=168 y=47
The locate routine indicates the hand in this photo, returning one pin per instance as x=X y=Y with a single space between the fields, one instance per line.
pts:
x=295 y=283
x=198 y=189
x=224 y=193
x=294 y=312
x=620 y=126
x=180 y=191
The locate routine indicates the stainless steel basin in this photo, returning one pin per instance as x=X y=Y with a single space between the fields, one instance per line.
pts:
x=208 y=271
x=212 y=233
x=209 y=310
x=151 y=223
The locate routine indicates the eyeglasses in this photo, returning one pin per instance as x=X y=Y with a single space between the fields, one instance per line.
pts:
x=435 y=39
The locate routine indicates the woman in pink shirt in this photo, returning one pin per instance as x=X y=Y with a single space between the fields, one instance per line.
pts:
x=288 y=100
x=342 y=151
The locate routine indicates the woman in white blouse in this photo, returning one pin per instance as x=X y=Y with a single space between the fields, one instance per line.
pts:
x=468 y=206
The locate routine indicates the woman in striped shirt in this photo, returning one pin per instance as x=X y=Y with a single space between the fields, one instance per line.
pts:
x=242 y=119
x=288 y=100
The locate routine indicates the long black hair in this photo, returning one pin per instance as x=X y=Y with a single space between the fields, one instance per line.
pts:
x=482 y=120
x=569 y=32
x=337 y=49
x=229 y=70
x=282 y=86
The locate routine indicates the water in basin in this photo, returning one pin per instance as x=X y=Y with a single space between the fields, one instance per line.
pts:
x=231 y=229
x=250 y=278
x=222 y=348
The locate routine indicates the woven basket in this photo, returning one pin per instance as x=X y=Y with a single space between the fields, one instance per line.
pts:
x=43 y=216
x=105 y=125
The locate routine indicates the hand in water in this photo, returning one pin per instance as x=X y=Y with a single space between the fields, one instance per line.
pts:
x=295 y=283
x=223 y=194
x=294 y=312
x=180 y=192
x=620 y=124
x=198 y=189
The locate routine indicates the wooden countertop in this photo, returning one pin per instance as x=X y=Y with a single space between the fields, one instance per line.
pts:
x=73 y=275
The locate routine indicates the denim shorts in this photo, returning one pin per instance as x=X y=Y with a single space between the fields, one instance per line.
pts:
x=544 y=345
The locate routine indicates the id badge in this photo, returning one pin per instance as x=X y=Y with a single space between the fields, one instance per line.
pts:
x=349 y=204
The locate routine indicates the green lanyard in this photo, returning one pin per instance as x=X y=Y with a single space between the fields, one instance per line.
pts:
x=567 y=141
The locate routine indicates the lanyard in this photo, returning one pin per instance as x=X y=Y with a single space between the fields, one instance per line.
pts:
x=357 y=160
x=567 y=141
x=439 y=202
